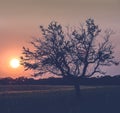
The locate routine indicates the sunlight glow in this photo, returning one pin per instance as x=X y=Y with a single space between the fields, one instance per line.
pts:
x=14 y=63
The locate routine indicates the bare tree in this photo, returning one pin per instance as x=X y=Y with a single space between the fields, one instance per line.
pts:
x=73 y=54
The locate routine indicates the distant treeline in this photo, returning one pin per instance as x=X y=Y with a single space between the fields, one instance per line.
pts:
x=106 y=80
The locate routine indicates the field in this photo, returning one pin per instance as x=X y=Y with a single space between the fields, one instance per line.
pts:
x=59 y=99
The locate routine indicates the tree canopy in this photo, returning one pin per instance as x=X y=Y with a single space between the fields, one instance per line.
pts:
x=70 y=52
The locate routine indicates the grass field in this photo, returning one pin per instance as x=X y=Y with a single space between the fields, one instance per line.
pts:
x=59 y=99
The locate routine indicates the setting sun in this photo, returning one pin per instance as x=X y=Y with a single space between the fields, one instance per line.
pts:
x=14 y=63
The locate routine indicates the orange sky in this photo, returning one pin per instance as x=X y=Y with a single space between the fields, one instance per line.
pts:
x=20 y=20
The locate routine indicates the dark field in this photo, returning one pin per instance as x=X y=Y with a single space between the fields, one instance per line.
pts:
x=59 y=99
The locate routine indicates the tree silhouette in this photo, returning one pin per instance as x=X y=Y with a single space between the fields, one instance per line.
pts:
x=72 y=53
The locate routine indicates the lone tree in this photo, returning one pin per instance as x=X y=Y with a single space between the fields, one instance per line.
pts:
x=70 y=53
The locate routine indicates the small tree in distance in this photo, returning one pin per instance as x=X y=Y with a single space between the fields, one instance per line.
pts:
x=70 y=54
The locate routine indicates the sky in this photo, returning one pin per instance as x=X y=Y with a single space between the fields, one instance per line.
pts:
x=20 y=21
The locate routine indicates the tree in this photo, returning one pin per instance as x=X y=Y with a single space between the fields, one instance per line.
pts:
x=69 y=53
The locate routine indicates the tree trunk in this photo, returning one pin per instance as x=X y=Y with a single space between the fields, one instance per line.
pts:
x=75 y=82
x=77 y=87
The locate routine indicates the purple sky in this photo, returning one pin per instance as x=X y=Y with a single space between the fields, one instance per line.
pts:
x=20 y=20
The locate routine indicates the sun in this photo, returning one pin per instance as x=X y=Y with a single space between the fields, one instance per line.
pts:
x=14 y=63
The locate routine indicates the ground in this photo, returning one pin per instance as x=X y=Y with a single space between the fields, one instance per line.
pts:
x=59 y=99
